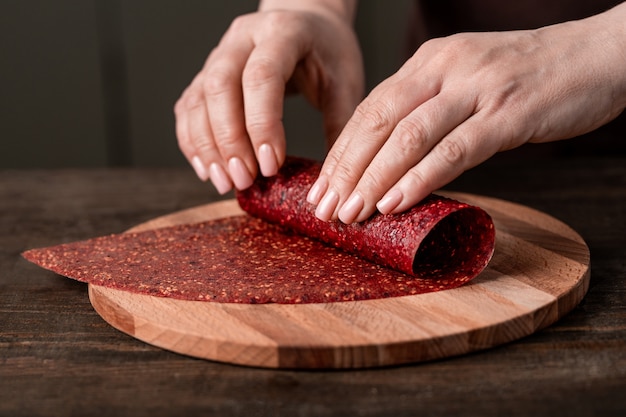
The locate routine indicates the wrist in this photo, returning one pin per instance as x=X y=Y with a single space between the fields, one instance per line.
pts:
x=612 y=28
x=345 y=10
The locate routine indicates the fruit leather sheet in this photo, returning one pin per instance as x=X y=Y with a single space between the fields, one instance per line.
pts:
x=281 y=253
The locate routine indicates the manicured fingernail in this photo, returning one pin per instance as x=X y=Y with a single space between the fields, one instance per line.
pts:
x=326 y=207
x=351 y=209
x=239 y=173
x=198 y=166
x=390 y=201
x=267 y=160
x=220 y=179
x=317 y=190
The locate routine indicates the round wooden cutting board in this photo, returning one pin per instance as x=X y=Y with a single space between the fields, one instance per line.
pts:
x=539 y=272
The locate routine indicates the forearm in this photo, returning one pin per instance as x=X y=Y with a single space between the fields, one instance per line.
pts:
x=344 y=9
x=594 y=53
x=611 y=29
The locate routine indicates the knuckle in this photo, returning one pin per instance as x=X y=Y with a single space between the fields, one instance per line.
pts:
x=331 y=161
x=285 y=24
x=452 y=152
x=435 y=44
x=459 y=42
x=376 y=178
x=414 y=179
x=240 y=23
x=226 y=135
x=277 y=20
x=216 y=81
x=373 y=118
x=344 y=174
x=448 y=51
x=258 y=126
x=258 y=72
x=202 y=141
x=191 y=99
x=412 y=135
x=267 y=25
x=204 y=145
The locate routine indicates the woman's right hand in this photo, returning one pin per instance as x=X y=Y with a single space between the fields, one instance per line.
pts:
x=229 y=119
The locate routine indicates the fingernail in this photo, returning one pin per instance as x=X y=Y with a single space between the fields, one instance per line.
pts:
x=219 y=178
x=267 y=160
x=239 y=173
x=317 y=190
x=198 y=166
x=326 y=207
x=390 y=201
x=351 y=208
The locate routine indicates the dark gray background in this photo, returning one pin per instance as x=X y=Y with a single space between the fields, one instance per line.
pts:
x=93 y=82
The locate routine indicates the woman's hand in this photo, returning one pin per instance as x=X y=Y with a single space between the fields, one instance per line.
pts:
x=461 y=99
x=229 y=119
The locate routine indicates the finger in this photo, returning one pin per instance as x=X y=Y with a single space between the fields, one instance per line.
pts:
x=182 y=135
x=413 y=137
x=205 y=157
x=225 y=112
x=373 y=117
x=194 y=138
x=402 y=91
x=364 y=135
x=265 y=76
x=474 y=141
x=349 y=157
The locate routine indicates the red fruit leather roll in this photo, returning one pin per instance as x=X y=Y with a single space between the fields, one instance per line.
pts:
x=439 y=238
x=262 y=257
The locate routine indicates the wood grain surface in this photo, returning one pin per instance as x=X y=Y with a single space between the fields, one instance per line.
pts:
x=58 y=357
x=539 y=272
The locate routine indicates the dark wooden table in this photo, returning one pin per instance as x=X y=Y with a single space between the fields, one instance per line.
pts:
x=58 y=357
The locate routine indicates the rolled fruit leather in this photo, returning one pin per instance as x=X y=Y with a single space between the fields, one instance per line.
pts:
x=439 y=238
x=439 y=244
